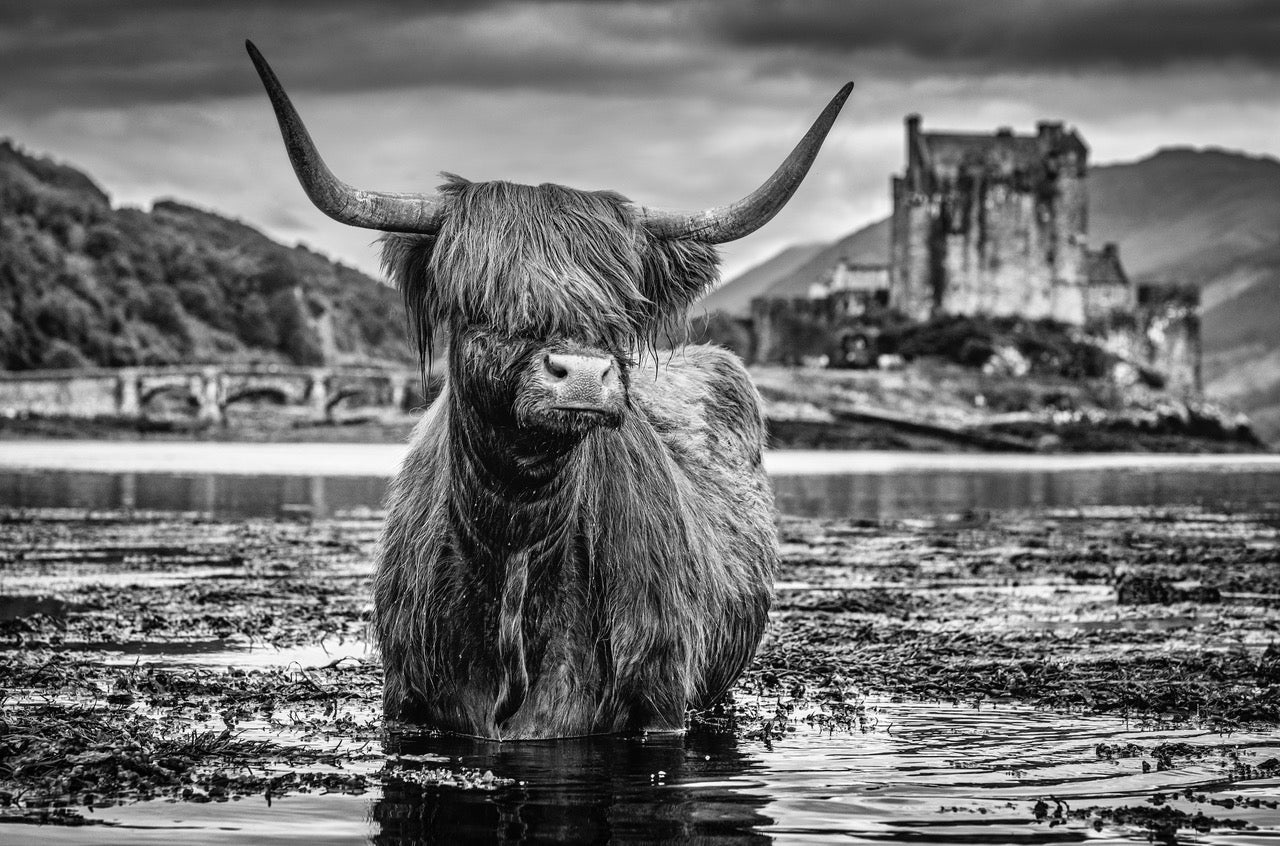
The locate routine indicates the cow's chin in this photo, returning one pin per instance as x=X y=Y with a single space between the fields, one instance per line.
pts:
x=573 y=421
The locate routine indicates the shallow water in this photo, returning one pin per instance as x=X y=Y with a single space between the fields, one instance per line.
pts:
x=897 y=771
x=914 y=772
x=320 y=480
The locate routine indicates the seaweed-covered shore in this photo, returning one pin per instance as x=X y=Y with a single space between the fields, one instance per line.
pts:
x=161 y=656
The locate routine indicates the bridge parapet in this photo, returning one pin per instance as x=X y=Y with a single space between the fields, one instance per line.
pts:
x=135 y=392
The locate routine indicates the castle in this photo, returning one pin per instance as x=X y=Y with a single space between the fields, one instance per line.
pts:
x=996 y=225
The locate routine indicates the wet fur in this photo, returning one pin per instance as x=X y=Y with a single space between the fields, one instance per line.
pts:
x=553 y=583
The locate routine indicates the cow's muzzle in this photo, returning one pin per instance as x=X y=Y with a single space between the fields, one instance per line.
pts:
x=585 y=384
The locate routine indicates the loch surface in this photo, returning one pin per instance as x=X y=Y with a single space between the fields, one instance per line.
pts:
x=944 y=661
x=320 y=480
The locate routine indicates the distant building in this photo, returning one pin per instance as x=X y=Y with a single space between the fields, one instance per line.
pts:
x=1110 y=292
x=991 y=224
x=856 y=287
x=872 y=279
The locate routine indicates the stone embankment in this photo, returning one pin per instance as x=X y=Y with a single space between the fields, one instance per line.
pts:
x=940 y=407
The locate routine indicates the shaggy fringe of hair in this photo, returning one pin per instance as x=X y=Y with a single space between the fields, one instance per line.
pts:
x=544 y=261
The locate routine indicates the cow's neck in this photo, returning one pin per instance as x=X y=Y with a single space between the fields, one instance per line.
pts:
x=511 y=491
x=515 y=512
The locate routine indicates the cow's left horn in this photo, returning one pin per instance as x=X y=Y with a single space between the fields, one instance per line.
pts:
x=369 y=209
x=737 y=220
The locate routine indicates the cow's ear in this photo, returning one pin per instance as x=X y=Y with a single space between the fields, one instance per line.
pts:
x=406 y=260
x=677 y=273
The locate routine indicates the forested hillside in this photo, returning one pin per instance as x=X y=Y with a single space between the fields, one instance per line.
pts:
x=83 y=283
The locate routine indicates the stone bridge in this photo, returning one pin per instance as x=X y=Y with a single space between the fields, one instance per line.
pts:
x=206 y=390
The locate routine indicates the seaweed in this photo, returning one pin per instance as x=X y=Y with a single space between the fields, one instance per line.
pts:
x=108 y=616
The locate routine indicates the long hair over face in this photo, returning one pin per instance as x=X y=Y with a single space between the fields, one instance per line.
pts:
x=544 y=261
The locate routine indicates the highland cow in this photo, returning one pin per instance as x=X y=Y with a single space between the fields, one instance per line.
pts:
x=581 y=539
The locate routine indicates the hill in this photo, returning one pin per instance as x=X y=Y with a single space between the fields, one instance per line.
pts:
x=1207 y=217
x=735 y=295
x=83 y=283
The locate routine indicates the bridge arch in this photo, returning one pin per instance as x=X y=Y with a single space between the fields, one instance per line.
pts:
x=273 y=394
x=350 y=394
x=149 y=396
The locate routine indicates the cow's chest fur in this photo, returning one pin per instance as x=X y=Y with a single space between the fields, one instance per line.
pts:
x=556 y=646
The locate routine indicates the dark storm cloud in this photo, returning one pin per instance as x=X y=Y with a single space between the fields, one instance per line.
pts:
x=1026 y=35
x=85 y=53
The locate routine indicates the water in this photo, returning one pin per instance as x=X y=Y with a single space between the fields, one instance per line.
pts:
x=918 y=773
x=320 y=480
x=886 y=783
x=904 y=771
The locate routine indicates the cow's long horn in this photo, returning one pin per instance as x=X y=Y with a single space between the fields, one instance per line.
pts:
x=737 y=220
x=369 y=209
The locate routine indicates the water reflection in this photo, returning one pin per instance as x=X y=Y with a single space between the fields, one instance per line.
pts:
x=875 y=496
x=659 y=788
x=227 y=496
x=864 y=496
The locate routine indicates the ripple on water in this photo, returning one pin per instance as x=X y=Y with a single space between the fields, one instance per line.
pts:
x=920 y=772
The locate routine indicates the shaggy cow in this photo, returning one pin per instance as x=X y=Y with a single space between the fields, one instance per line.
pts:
x=578 y=542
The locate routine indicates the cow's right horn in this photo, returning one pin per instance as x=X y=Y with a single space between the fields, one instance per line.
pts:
x=739 y=219
x=369 y=209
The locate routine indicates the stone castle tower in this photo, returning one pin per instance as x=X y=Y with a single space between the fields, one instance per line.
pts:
x=991 y=224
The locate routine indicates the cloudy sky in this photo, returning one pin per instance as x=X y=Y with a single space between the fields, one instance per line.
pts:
x=677 y=104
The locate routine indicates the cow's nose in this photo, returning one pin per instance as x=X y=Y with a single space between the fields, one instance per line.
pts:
x=584 y=380
x=571 y=368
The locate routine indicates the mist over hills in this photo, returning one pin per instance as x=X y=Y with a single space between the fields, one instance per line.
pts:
x=83 y=283
x=1205 y=217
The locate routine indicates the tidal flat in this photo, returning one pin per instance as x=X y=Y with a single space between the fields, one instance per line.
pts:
x=1108 y=674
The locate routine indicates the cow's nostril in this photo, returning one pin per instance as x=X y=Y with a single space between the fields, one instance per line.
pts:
x=555 y=368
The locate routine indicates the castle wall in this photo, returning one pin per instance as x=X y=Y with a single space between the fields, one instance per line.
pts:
x=956 y=212
x=996 y=248
x=1105 y=300
x=1016 y=279
x=786 y=331
x=991 y=225
x=1160 y=333
x=911 y=273
x=1170 y=322
x=1109 y=290
x=1068 y=246
x=859 y=277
